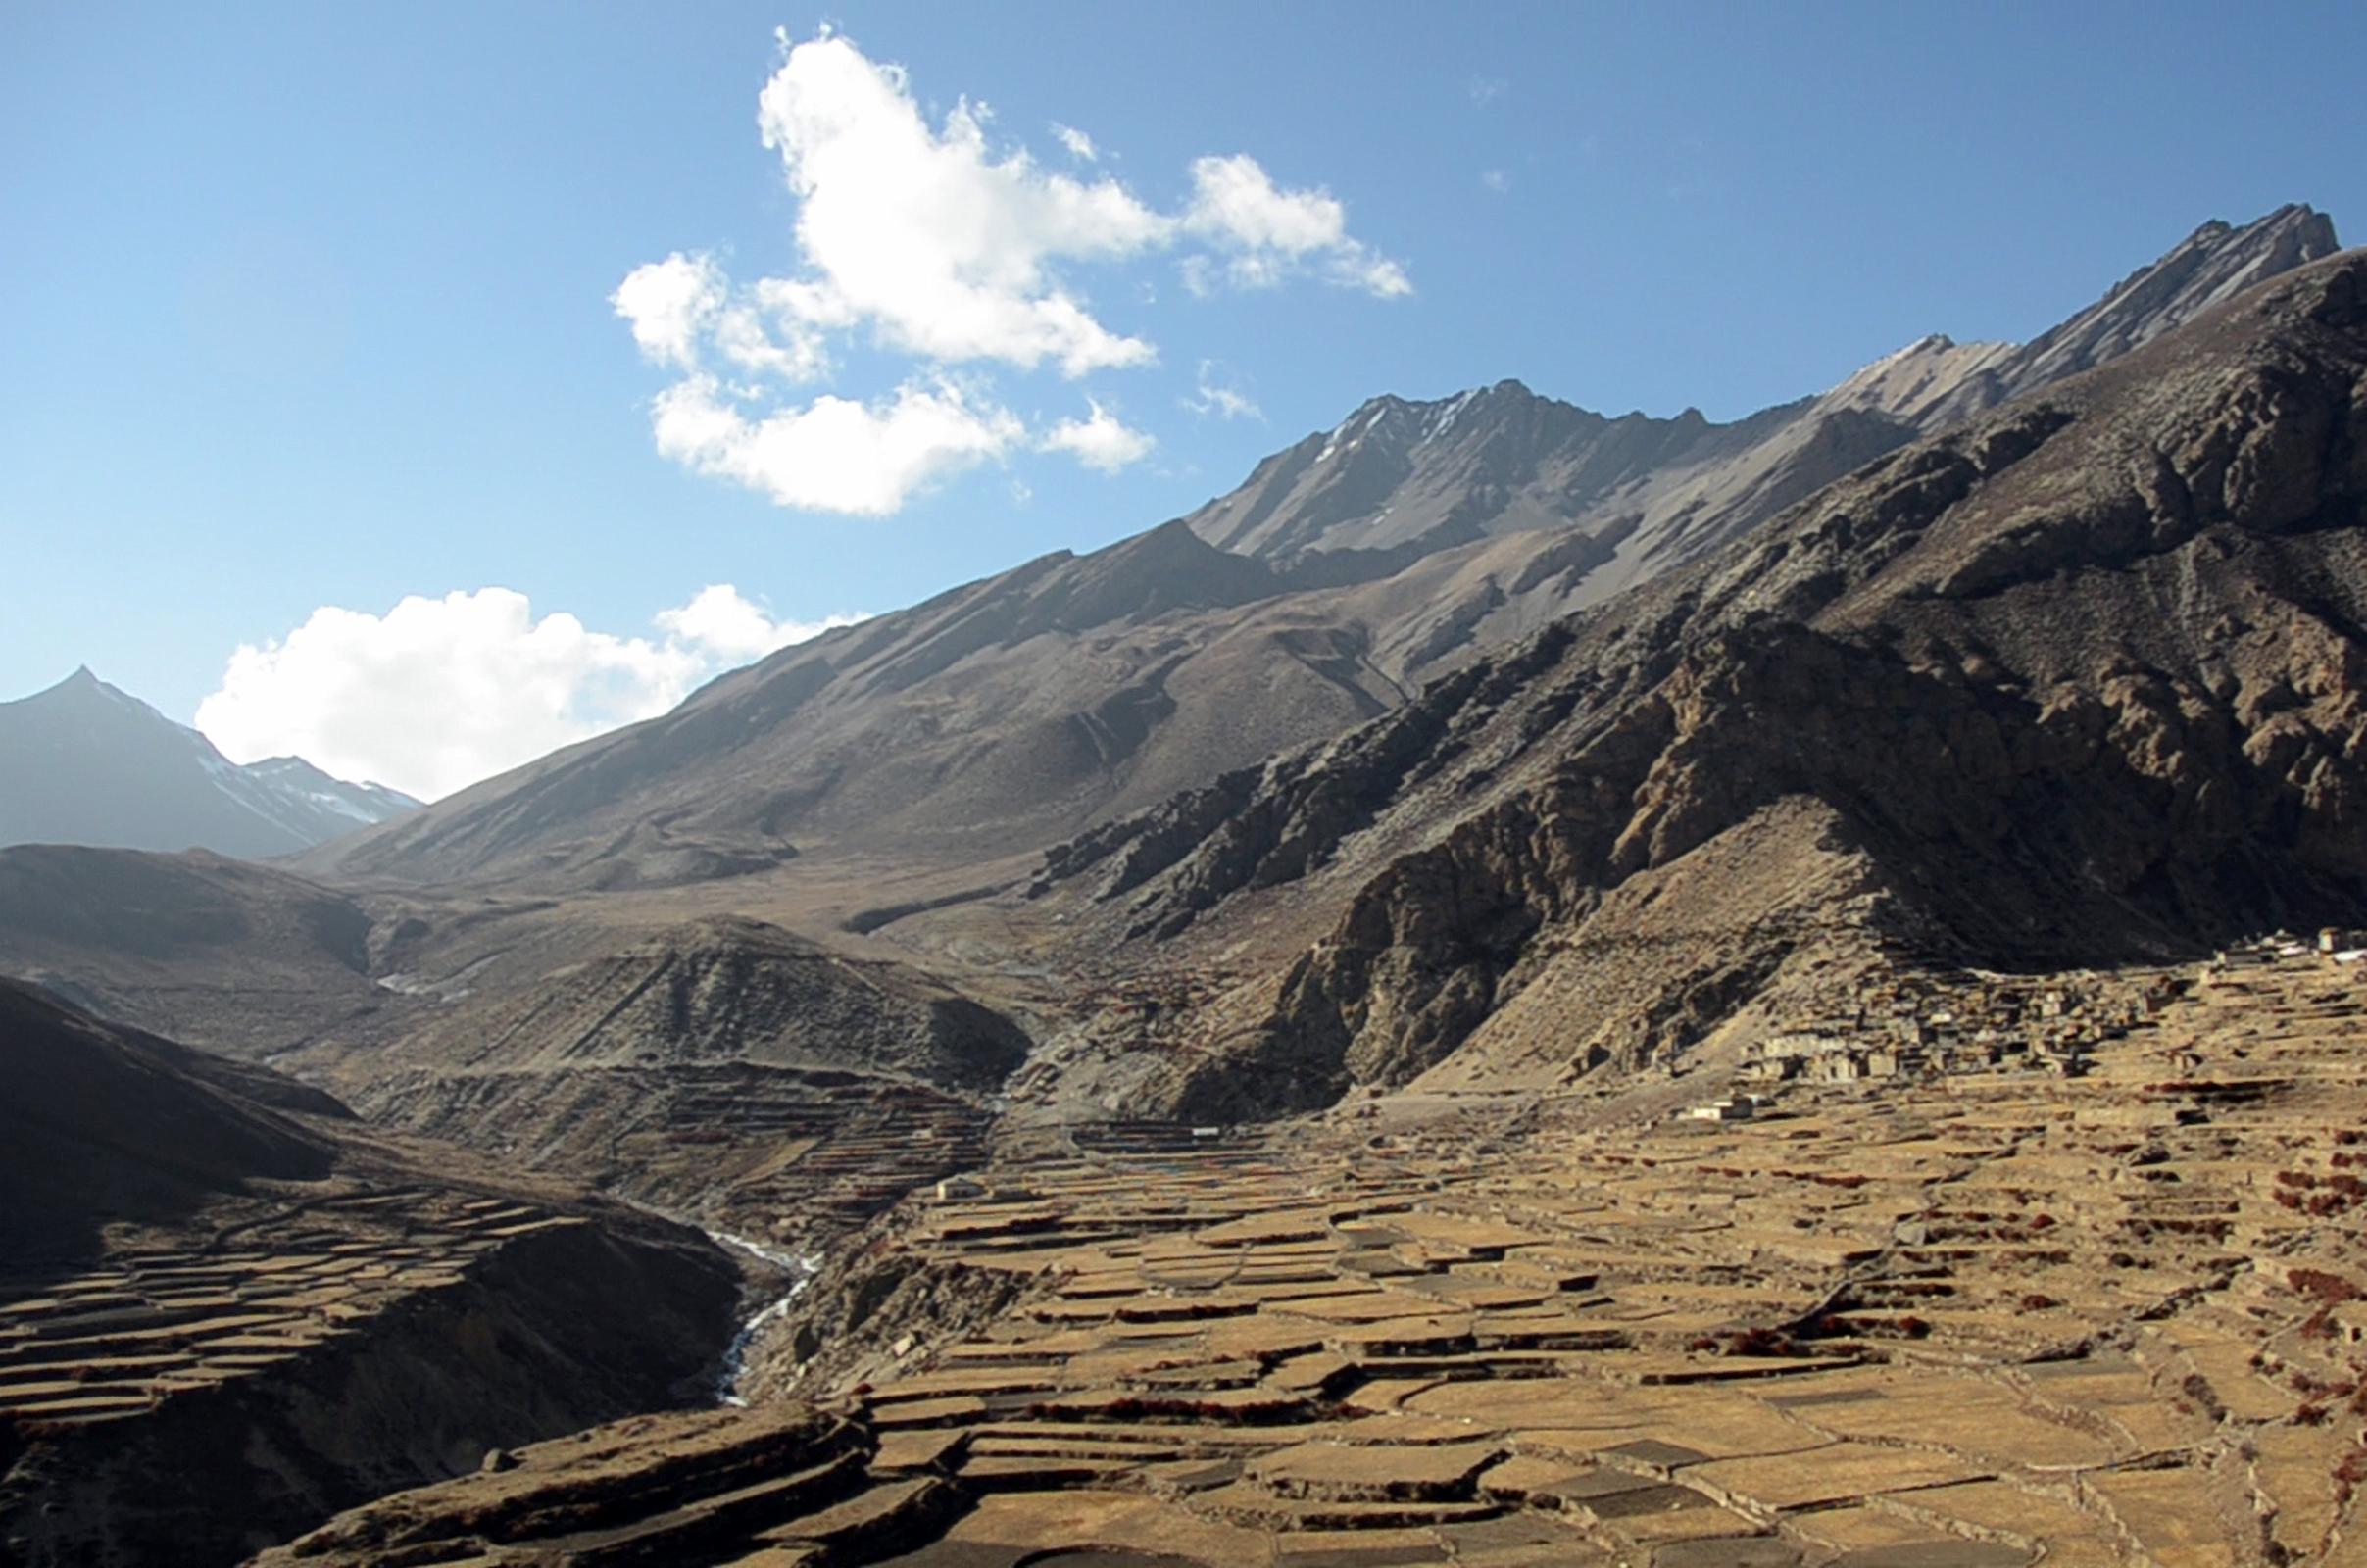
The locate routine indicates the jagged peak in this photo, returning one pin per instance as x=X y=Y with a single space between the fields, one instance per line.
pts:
x=2292 y=216
x=2309 y=232
x=1373 y=408
x=83 y=681
x=86 y=686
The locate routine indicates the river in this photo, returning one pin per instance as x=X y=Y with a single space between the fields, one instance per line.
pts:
x=801 y=1272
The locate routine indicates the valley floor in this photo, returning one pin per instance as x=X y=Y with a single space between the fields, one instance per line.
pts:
x=1992 y=1317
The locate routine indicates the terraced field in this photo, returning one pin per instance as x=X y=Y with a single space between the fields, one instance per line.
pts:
x=114 y=1343
x=212 y=1387
x=797 y=1155
x=1986 y=1319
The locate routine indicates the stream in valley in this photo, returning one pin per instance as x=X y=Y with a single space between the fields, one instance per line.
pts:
x=800 y=1272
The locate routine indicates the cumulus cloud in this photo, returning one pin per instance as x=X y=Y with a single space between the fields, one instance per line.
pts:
x=947 y=248
x=1495 y=180
x=439 y=692
x=1271 y=233
x=670 y=304
x=834 y=454
x=676 y=306
x=1213 y=397
x=721 y=624
x=1098 y=441
x=936 y=243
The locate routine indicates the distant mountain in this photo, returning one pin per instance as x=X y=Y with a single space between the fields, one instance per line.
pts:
x=1348 y=571
x=84 y=762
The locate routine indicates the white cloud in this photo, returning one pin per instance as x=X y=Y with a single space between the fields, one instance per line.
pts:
x=729 y=627
x=1485 y=91
x=1213 y=397
x=944 y=247
x=1098 y=441
x=939 y=246
x=833 y=454
x=1274 y=233
x=670 y=303
x=439 y=692
x=1495 y=179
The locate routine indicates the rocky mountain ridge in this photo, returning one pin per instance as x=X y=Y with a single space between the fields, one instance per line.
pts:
x=2080 y=678
x=1350 y=568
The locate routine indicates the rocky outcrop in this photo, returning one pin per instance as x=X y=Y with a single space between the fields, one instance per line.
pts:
x=878 y=1309
x=2080 y=679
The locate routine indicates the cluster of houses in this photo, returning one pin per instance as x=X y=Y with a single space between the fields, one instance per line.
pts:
x=2334 y=945
x=1909 y=1025
x=1904 y=1027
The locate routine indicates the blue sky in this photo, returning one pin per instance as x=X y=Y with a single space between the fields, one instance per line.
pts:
x=310 y=305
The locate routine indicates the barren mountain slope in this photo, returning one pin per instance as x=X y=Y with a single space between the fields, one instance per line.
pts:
x=2082 y=678
x=678 y=1056
x=728 y=989
x=240 y=957
x=230 y=1310
x=101 y=1125
x=720 y=1068
x=1017 y=710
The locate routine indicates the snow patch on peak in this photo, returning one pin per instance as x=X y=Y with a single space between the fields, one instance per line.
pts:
x=1444 y=414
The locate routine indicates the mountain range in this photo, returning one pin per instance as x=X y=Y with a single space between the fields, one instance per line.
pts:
x=1571 y=665
x=2075 y=682
x=1346 y=572
x=85 y=762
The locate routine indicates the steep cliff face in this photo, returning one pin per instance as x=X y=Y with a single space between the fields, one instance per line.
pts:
x=2080 y=679
x=555 y=1332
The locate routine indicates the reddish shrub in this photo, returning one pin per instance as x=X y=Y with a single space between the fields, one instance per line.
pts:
x=2347 y=1475
x=2321 y=1286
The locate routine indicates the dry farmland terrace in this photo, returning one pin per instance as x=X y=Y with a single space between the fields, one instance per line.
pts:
x=115 y=1341
x=1958 y=1321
